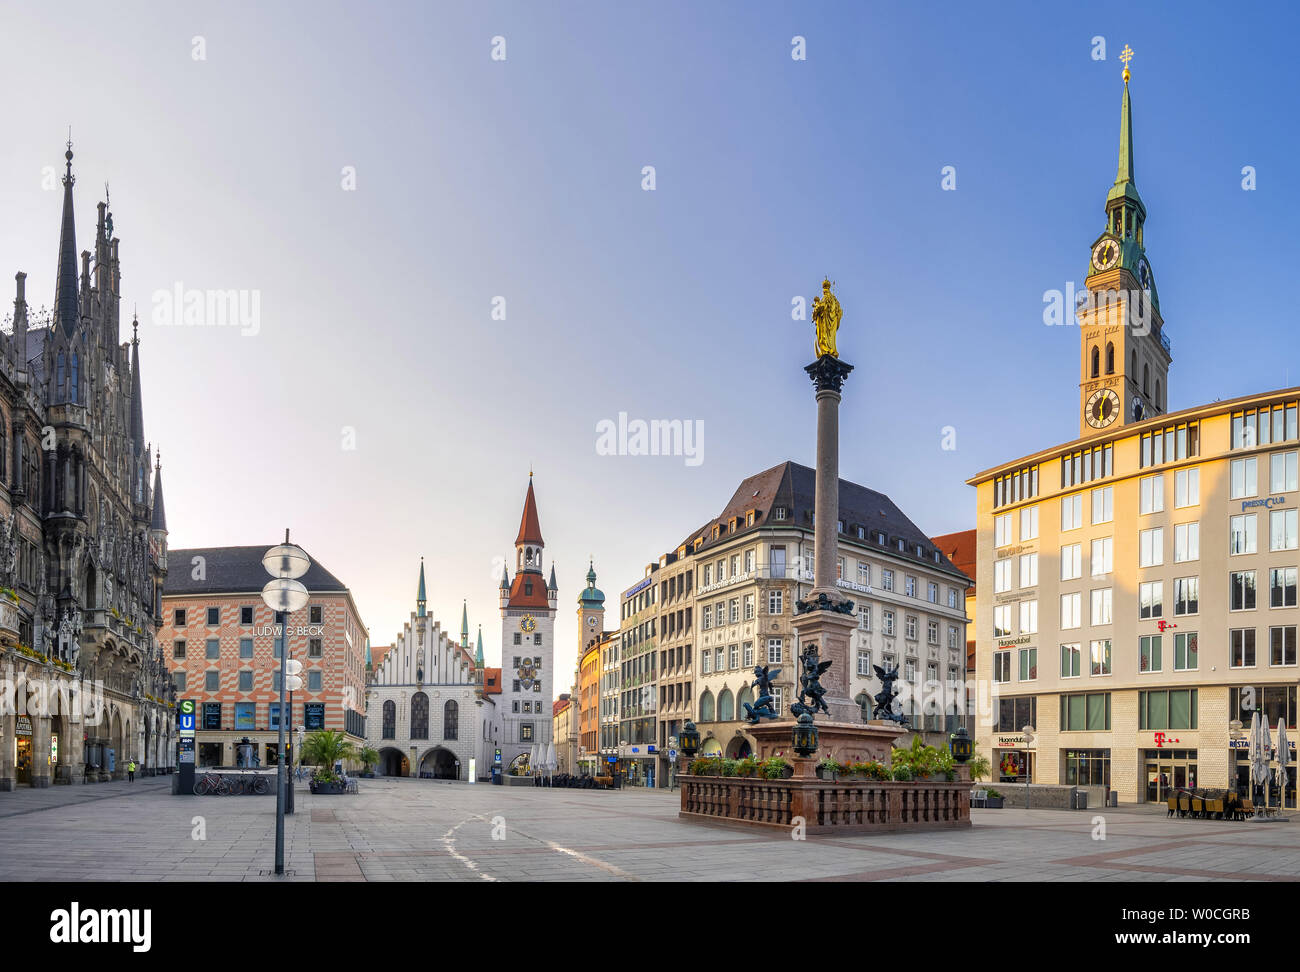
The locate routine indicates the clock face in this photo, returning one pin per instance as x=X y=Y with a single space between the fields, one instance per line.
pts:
x=527 y=624
x=1102 y=408
x=1105 y=255
x=591 y=622
x=1144 y=273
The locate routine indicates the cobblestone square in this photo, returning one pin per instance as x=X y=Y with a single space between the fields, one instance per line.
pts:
x=421 y=830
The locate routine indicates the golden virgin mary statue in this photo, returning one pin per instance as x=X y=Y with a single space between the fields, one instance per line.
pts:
x=826 y=318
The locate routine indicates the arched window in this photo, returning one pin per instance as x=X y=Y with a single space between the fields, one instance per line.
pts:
x=1095 y=368
x=390 y=720
x=73 y=384
x=1133 y=366
x=706 y=706
x=726 y=706
x=1159 y=403
x=1146 y=379
x=1110 y=358
x=419 y=716
x=745 y=695
x=450 y=719
x=60 y=375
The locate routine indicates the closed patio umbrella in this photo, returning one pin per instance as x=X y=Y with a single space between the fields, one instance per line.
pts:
x=1283 y=748
x=1259 y=742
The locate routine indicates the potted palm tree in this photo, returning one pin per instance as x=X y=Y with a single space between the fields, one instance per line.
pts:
x=324 y=749
x=368 y=757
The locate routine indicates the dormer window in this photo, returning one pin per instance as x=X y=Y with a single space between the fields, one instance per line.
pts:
x=840 y=525
x=749 y=518
x=862 y=533
x=902 y=546
x=778 y=513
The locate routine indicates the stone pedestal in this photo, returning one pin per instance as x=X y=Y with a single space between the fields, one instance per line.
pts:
x=846 y=742
x=829 y=632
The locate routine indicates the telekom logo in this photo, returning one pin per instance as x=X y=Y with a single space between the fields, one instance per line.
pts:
x=1161 y=739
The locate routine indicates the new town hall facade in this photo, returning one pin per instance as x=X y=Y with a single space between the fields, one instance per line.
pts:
x=83 y=535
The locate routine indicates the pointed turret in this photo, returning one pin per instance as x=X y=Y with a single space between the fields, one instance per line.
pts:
x=137 y=405
x=552 y=589
x=478 y=655
x=464 y=624
x=420 y=597
x=530 y=529
x=66 y=311
x=158 y=521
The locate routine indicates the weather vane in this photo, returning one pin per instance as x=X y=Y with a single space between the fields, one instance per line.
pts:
x=1126 y=55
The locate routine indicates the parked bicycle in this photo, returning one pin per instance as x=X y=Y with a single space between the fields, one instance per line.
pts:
x=211 y=783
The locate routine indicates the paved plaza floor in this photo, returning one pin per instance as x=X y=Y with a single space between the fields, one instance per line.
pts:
x=421 y=830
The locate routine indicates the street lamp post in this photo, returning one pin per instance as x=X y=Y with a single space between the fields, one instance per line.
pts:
x=284 y=594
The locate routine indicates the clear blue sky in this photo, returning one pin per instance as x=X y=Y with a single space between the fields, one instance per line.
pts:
x=522 y=178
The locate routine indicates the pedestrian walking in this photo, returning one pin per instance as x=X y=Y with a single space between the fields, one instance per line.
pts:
x=130 y=771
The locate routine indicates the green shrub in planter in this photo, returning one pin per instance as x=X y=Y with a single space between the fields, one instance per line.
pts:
x=747 y=766
x=903 y=774
x=775 y=768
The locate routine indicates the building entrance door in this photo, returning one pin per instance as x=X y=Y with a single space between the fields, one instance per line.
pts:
x=1169 y=770
x=23 y=760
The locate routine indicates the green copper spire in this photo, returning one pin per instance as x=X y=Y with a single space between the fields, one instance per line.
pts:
x=1125 y=186
x=478 y=657
x=464 y=624
x=369 y=662
x=420 y=598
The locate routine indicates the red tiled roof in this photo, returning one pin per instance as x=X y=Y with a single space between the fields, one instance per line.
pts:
x=960 y=549
x=518 y=595
x=377 y=654
x=491 y=681
x=559 y=705
x=530 y=530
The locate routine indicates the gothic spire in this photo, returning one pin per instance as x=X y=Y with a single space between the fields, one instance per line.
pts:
x=420 y=598
x=159 y=521
x=137 y=407
x=464 y=624
x=478 y=656
x=66 y=309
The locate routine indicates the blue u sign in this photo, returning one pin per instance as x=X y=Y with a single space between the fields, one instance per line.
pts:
x=187 y=721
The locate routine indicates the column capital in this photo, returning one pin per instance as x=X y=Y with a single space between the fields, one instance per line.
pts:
x=828 y=373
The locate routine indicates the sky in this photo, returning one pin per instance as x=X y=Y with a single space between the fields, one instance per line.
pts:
x=457 y=269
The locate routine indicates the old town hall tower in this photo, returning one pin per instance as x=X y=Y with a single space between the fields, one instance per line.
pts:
x=527 y=644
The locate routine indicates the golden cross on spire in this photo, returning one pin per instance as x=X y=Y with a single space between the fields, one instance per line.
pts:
x=1126 y=55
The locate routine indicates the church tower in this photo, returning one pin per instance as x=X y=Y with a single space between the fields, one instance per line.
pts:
x=591 y=613
x=528 y=607
x=1124 y=351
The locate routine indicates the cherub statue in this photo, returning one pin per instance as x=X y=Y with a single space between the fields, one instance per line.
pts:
x=811 y=688
x=762 y=706
x=885 y=697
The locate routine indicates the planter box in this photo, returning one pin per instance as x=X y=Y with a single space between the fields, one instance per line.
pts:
x=325 y=789
x=995 y=803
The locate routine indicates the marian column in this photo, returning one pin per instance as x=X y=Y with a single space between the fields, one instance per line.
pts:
x=825 y=619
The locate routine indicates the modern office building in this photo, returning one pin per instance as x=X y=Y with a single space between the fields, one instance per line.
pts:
x=1137 y=585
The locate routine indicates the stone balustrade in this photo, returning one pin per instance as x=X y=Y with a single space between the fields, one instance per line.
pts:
x=826 y=807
